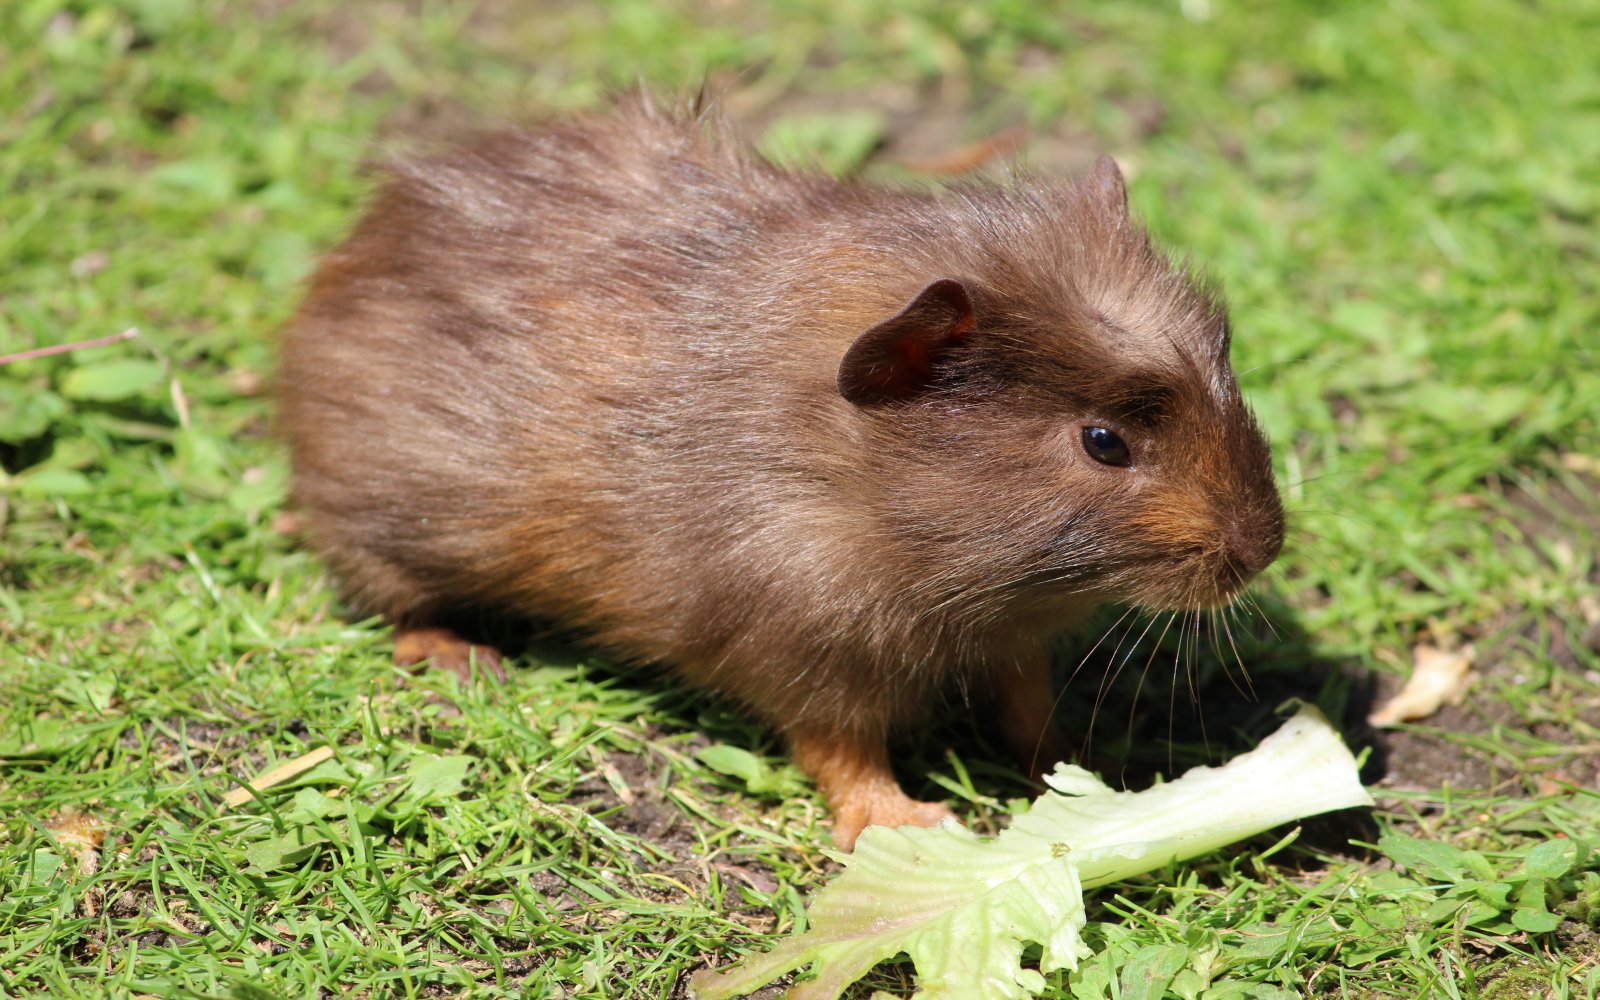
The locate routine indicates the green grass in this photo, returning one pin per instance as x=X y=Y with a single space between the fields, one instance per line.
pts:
x=1400 y=200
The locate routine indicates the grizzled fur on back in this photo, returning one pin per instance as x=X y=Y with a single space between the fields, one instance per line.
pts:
x=591 y=372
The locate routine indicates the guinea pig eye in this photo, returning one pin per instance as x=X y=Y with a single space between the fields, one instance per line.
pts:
x=1104 y=446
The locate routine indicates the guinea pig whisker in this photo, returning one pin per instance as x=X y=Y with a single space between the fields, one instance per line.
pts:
x=1108 y=679
x=1295 y=484
x=1100 y=641
x=1214 y=628
x=1172 y=689
x=1256 y=606
x=1236 y=612
x=1191 y=669
x=1055 y=703
x=1144 y=673
x=1249 y=690
x=1116 y=668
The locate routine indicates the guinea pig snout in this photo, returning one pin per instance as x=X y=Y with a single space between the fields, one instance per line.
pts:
x=1253 y=540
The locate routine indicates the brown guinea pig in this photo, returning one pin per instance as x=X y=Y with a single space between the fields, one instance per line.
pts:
x=821 y=447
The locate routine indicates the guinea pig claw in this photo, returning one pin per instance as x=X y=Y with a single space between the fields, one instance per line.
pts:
x=442 y=649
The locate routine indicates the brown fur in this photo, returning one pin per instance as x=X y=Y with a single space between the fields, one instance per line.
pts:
x=591 y=372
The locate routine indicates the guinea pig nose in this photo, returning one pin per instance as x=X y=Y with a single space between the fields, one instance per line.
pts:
x=1252 y=547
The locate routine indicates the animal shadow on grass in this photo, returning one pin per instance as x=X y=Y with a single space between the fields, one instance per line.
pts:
x=1144 y=697
x=1141 y=698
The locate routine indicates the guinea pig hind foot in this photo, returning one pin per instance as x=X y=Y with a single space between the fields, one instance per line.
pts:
x=443 y=649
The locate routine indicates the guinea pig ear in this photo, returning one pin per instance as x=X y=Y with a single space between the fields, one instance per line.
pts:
x=1106 y=182
x=895 y=360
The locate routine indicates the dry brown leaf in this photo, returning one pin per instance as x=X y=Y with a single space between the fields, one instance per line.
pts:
x=1437 y=678
x=1581 y=463
x=1556 y=783
x=90 y=264
x=82 y=834
x=277 y=776
x=1589 y=607
x=246 y=382
x=77 y=831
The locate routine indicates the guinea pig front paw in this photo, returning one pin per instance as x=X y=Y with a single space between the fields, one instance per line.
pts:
x=1037 y=753
x=442 y=649
x=883 y=809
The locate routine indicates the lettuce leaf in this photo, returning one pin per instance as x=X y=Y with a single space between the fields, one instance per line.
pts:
x=963 y=908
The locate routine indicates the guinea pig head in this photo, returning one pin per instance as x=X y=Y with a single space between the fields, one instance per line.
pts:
x=1058 y=421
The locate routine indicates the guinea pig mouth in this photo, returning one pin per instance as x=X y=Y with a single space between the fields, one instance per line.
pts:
x=1231 y=579
x=1216 y=576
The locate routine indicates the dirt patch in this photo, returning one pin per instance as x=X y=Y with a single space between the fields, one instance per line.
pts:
x=633 y=799
x=210 y=748
x=1422 y=760
x=1563 y=514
